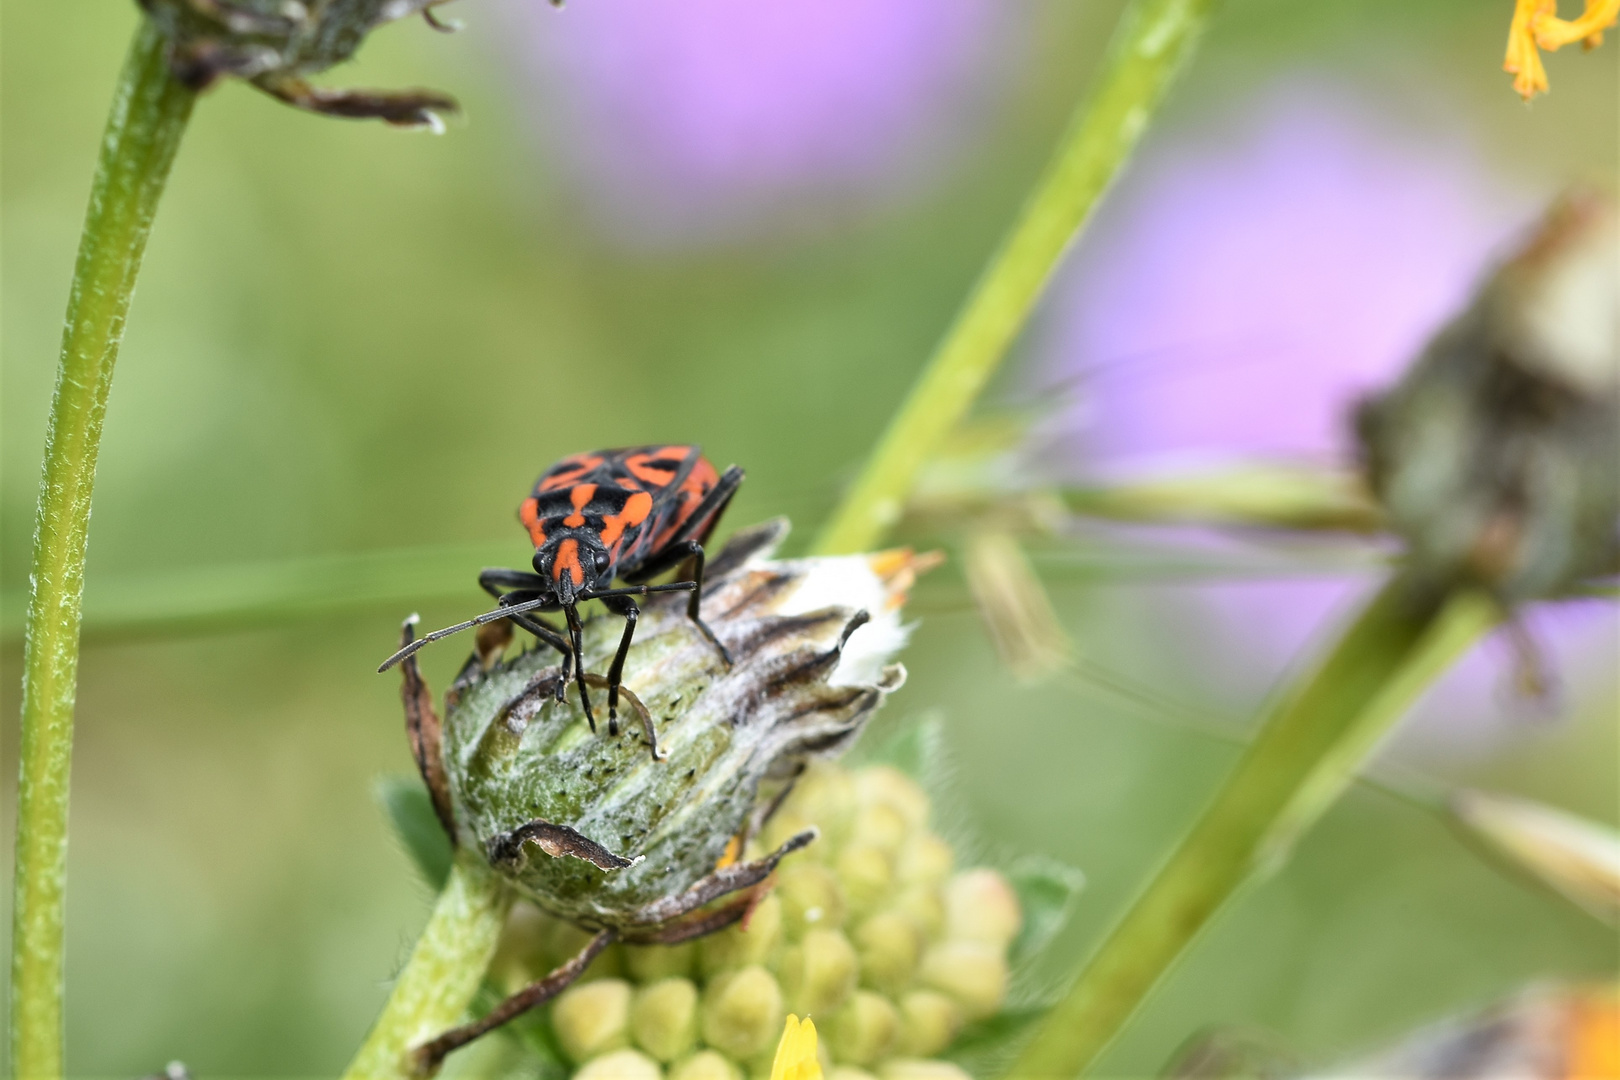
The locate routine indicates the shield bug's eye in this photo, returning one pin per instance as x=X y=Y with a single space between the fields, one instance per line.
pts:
x=602 y=562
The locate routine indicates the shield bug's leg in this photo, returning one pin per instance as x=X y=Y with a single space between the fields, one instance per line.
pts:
x=431 y=1054
x=619 y=605
x=576 y=634
x=675 y=555
x=521 y=588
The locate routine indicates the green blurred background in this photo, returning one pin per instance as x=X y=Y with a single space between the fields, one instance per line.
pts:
x=350 y=339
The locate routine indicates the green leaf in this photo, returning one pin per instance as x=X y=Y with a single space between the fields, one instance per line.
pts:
x=411 y=812
x=1046 y=892
x=985 y=1045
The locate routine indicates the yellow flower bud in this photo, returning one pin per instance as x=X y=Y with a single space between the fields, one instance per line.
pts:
x=592 y=1018
x=819 y=972
x=621 y=1065
x=663 y=1018
x=972 y=972
x=865 y=1029
x=981 y=906
x=924 y=908
x=925 y=860
x=649 y=963
x=889 y=944
x=866 y=874
x=810 y=897
x=825 y=796
x=884 y=785
x=880 y=826
x=706 y=1065
x=736 y=947
x=918 y=1069
x=928 y=1022
x=742 y=1012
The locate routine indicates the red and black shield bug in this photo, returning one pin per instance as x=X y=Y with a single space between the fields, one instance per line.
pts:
x=631 y=513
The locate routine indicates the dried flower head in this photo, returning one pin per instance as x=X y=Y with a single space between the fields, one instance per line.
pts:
x=274 y=44
x=1495 y=456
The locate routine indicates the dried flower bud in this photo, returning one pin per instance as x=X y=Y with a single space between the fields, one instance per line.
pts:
x=593 y=1017
x=621 y=1065
x=274 y=44
x=865 y=1030
x=929 y=1021
x=742 y=1013
x=609 y=831
x=819 y=973
x=974 y=973
x=663 y=1018
x=981 y=906
x=1495 y=455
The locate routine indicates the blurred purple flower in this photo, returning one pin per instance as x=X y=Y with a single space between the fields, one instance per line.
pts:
x=1240 y=291
x=683 y=118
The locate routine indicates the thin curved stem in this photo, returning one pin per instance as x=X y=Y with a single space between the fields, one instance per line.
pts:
x=149 y=114
x=1153 y=42
x=444 y=971
x=1310 y=747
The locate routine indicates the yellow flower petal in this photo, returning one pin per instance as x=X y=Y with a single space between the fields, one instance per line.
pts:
x=1536 y=26
x=796 y=1053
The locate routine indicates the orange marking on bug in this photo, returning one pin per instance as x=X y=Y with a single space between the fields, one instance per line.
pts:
x=580 y=497
x=568 y=559
x=569 y=470
x=640 y=467
x=529 y=514
x=636 y=509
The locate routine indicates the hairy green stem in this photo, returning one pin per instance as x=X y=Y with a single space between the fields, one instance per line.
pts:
x=149 y=113
x=1154 y=40
x=444 y=971
x=1310 y=746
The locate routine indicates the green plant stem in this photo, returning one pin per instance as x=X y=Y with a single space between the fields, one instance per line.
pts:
x=443 y=973
x=1310 y=747
x=149 y=113
x=1154 y=40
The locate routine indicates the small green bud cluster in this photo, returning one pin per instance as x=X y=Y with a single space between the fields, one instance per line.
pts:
x=870 y=932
